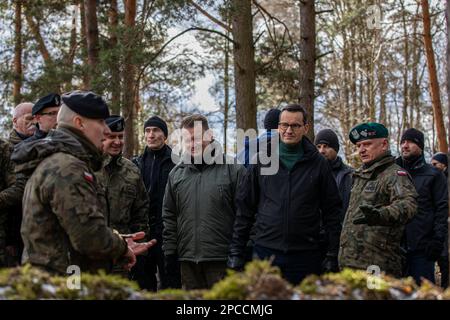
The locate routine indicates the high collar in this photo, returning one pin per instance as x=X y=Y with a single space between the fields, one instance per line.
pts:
x=112 y=160
x=336 y=163
x=157 y=153
x=383 y=160
x=94 y=154
x=413 y=164
x=16 y=137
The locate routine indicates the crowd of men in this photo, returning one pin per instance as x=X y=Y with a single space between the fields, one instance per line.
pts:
x=69 y=197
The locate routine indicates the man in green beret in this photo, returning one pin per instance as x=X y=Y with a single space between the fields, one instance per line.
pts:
x=382 y=201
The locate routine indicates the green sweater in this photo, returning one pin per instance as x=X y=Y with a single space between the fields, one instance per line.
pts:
x=290 y=154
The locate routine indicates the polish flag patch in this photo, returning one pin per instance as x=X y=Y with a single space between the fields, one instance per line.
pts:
x=402 y=173
x=88 y=177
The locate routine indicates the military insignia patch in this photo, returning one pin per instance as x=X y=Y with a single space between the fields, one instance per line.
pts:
x=355 y=134
x=370 y=187
x=88 y=177
x=364 y=133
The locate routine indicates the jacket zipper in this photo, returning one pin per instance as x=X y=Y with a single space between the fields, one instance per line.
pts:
x=286 y=215
x=196 y=222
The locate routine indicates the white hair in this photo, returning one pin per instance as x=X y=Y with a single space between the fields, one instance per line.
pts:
x=66 y=115
x=21 y=109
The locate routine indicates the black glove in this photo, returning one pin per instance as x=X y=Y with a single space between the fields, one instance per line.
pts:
x=330 y=264
x=434 y=250
x=171 y=264
x=371 y=215
x=236 y=263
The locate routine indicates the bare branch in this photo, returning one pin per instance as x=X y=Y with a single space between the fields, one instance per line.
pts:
x=324 y=11
x=209 y=16
x=324 y=54
x=164 y=46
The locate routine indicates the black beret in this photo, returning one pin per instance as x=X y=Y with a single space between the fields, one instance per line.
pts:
x=50 y=100
x=366 y=131
x=115 y=123
x=86 y=104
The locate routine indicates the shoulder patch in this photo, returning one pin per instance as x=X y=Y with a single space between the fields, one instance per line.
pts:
x=88 y=177
x=402 y=173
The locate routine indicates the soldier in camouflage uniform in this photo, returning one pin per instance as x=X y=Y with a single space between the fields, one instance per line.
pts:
x=23 y=128
x=64 y=208
x=7 y=194
x=382 y=201
x=126 y=194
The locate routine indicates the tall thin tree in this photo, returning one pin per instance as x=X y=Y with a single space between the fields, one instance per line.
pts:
x=17 y=51
x=244 y=63
x=434 y=83
x=129 y=78
x=307 y=63
x=93 y=48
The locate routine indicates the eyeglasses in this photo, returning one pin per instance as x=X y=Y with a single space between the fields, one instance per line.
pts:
x=284 y=126
x=52 y=114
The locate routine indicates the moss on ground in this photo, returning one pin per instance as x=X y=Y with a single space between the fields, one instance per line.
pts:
x=259 y=281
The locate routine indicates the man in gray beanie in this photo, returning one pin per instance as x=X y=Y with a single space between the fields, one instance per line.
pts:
x=327 y=143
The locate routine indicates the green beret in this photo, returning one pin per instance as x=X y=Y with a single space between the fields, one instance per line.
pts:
x=368 y=130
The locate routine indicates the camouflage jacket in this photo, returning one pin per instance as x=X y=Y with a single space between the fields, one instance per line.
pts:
x=12 y=198
x=64 y=207
x=127 y=198
x=388 y=187
x=7 y=179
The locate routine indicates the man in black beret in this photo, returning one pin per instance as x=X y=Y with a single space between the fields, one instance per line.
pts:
x=426 y=233
x=64 y=208
x=125 y=190
x=44 y=112
x=155 y=164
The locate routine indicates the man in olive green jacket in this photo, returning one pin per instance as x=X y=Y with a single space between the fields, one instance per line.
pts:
x=198 y=208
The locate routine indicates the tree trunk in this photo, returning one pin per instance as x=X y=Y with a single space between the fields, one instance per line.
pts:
x=447 y=16
x=434 y=84
x=17 y=52
x=86 y=77
x=114 y=65
x=308 y=59
x=129 y=76
x=93 y=47
x=405 y=122
x=34 y=28
x=244 y=64
x=72 y=49
x=226 y=86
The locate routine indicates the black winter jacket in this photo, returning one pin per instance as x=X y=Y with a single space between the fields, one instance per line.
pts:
x=430 y=222
x=286 y=207
x=156 y=184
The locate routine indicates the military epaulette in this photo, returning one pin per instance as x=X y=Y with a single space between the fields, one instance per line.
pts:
x=402 y=173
